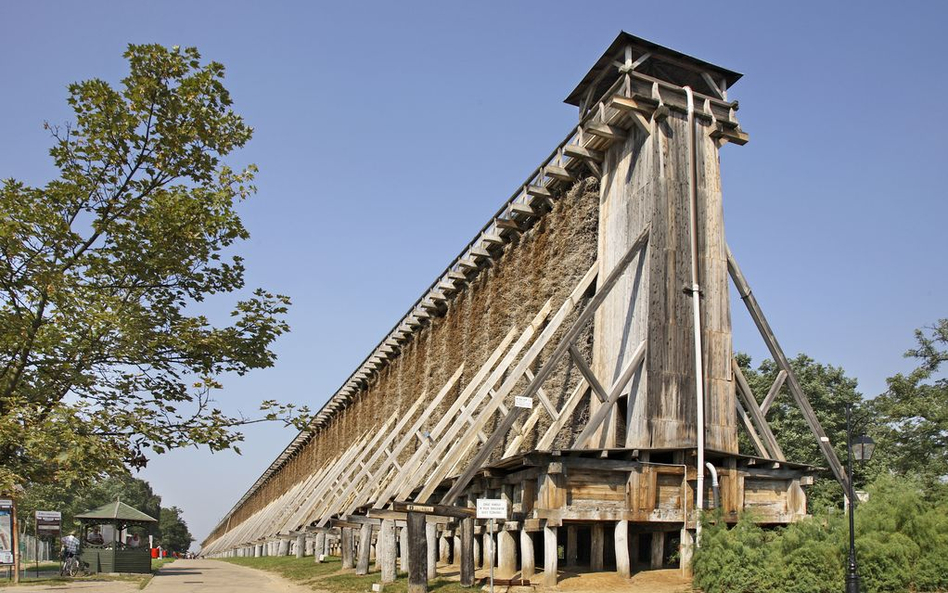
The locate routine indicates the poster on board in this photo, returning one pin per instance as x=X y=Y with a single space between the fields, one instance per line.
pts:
x=6 y=532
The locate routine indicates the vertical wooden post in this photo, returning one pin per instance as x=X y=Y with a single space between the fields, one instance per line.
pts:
x=527 y=555
x=550 y=553
x=431 y=537
x=466 y=552
x=417 y=553
x=15 y=544
x=658 y=549
x=572 y=551
x=386 y=551
x=403 y=547
x=686 y=551
x=347 y=548
x=623 y=563
x=597 y=546
x=365 y=549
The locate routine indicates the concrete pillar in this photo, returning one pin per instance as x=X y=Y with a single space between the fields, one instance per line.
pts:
x=403 y=548
x=549 y=556
x=456 y=548
x=347 y=560
x=506 y=554
x=686 y=552
x=658 y=549
x=257 y=551
x=623 y=562
x=365 y=549
x=527 y=556
x=300 y=545
x=597 y=546
x=572 y=551
x=308 y=547
x=387 y=551
x=431 y=539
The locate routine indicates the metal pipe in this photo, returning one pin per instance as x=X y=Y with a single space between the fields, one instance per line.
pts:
x=714 y=484
x=696 y=306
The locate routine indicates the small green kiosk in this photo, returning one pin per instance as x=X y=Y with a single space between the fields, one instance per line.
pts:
x=114 y=538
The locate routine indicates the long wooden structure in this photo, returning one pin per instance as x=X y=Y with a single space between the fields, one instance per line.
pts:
x=575 y=359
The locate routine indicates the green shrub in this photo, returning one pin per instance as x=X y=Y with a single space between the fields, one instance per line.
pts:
x=902 y=546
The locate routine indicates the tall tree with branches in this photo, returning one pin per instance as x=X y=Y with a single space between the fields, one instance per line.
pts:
x=102 y=359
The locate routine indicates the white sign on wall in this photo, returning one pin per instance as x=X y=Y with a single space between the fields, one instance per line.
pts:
x=523 y=402
x=491 y=508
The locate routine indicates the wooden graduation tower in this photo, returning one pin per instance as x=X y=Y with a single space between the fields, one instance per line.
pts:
x=609 y=399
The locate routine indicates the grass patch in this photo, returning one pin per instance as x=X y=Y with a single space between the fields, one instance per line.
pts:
x=157 y=563
x=329 y=576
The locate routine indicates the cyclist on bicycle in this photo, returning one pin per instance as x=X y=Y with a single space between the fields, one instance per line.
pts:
x=70 y=546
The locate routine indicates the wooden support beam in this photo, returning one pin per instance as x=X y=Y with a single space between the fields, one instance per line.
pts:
x=772 y=394
x=558 y=173
x=417 y=553
x=522 y=209
x=751 y=430
x=588 y=374
x=592 y=425
x=492 y=239
x=580 y=152
x=780 y=358
x=744 y=391
x=607 y=132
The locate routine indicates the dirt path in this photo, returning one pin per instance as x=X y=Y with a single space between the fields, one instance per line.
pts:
x=211 y=576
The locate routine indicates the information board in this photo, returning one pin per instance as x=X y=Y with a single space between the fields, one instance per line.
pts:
x=491 y=508
x=6 y=532
x=48 y=522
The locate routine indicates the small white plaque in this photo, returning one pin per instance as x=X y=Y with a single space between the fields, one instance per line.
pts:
x=491 y=508
x=523 y=402
x=49 y=515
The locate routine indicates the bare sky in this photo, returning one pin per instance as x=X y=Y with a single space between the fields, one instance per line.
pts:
x=387 y=133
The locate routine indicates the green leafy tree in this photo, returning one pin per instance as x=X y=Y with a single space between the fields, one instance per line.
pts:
x=829 y=390
x=102 y=357
x=912 y=415
x=174 y=531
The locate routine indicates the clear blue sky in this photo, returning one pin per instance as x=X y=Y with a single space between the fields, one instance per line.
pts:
x=387 y=133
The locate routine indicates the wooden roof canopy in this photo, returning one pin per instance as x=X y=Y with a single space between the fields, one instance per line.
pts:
x=117 y=511
x=659 y=61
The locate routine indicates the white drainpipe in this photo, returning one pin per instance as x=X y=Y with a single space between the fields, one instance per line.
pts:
x=696 y=308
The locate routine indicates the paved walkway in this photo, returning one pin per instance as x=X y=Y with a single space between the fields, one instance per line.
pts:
x=213 y=576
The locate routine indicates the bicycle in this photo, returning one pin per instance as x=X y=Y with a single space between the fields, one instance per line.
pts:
x=70 y=566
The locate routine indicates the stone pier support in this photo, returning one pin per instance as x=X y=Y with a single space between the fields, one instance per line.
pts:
x=365 y=549
x=478 y=559
x=431 y=537
x=387 y=551
x=623 y=562
x=506 y=554
x=527 y=555
x=444 y=549
x=403 y=548
x=347 y=560
x=686 y=551
x=300 y=545
x=549 y=556
x=319 y=546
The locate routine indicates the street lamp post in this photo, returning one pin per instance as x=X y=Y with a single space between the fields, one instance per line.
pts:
x=861 y=449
